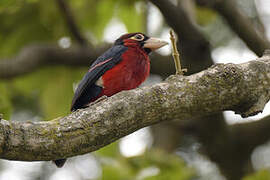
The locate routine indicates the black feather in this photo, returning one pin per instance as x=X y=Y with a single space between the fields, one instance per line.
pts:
x=87 y=89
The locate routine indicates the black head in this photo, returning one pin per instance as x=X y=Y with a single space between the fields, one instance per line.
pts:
x=148 y=44
x=140 y=37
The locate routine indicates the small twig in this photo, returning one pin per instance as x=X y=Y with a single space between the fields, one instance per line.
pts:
x=175 y=55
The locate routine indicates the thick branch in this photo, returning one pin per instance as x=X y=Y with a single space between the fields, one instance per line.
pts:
x=195 y=56
x=36 y=56
x=240 y=24
x=242 y=88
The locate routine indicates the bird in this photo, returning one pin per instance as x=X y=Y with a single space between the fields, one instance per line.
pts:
x=122 y=67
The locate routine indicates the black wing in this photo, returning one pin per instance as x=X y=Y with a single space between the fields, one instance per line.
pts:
x=87 y=89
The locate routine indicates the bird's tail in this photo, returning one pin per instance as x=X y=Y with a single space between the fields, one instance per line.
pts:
x=60 y=162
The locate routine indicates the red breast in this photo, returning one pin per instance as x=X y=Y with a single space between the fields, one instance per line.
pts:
x=129 y=73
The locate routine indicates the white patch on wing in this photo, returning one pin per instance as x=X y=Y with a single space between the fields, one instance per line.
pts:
x=99 y=82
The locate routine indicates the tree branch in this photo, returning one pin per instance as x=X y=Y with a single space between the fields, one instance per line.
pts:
x=194 y=49
x=195 y=56
x=240 y=24
x=73 y=28
x=243 y=88
x=34 y=57
x=212 y=130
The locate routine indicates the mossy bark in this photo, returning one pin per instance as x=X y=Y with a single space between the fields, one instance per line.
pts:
x=243 y=88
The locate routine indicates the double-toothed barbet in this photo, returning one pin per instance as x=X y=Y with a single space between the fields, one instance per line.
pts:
x=122 y=67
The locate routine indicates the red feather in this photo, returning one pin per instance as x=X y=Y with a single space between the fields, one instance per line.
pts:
x=129 y=73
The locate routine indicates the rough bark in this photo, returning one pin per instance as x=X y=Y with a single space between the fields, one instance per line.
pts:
x=212 y=131
x=195 y=56
x=243 y=88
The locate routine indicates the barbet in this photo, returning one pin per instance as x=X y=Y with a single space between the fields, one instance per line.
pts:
x=122 y=67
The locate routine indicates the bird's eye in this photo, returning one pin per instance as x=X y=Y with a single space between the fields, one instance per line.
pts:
x=138 y=37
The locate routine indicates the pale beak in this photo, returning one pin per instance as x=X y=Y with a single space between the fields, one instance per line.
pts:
x=154 y=43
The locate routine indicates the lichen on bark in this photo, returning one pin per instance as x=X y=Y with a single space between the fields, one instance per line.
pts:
x=243 y=88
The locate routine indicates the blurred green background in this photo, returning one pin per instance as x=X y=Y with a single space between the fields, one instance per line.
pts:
x=46 y=92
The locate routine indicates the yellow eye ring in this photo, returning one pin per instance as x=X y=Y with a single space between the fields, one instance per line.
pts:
x=138 y=37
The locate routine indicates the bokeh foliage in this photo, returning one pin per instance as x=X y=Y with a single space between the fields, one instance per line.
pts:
x=152 y=165
x=47 y=93
x=25 y=22
x=260 y=175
